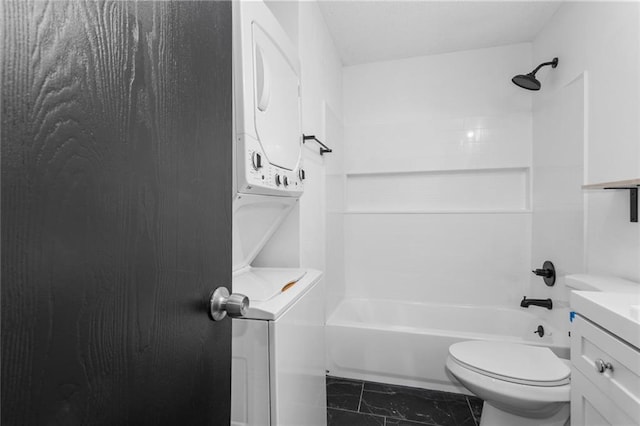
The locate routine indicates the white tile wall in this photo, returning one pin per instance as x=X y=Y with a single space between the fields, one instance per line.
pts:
x=440 y=143
x=476 y=259
x=424 y=131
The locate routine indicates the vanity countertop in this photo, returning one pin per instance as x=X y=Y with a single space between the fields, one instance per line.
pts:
x=618 y=313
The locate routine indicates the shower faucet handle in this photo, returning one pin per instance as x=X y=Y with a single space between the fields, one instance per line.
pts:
x=547 y=272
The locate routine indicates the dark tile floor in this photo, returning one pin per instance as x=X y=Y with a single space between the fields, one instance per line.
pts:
x=358 y=403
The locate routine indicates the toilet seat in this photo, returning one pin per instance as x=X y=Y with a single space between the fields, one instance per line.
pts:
x=512 y=362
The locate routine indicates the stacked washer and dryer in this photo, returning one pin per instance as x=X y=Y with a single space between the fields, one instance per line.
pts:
x=278 y=345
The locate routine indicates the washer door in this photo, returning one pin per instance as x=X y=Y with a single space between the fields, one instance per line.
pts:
x=276 y=102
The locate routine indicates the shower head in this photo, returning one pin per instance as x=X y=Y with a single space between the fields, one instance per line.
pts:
x=529 y=81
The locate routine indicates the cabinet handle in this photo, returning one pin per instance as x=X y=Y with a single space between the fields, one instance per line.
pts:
x=602 y=366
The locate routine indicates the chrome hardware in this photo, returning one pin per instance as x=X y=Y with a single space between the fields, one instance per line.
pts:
x=602 y=366
x=221 y=304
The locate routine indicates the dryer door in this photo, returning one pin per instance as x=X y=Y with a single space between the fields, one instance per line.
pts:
x=276 y=102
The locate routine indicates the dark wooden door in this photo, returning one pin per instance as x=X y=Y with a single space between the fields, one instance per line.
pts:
x=116 y=212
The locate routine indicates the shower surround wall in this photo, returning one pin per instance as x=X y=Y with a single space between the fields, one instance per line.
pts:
x=586 y=130
x=596 y=91
x=436 y=186
x=435 y=200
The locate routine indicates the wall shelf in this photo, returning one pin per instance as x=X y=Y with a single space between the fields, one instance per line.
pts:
x=618 y=184
x=355 y=173
x=430 y=212
x=630 y=185
x=438 y=191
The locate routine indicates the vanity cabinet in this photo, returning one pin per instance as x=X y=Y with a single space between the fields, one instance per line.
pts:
x=605 y=377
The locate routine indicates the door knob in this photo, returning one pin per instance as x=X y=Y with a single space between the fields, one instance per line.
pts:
x=221 y=304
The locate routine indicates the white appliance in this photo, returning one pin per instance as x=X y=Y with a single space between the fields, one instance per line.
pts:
x=278 y=375
x=268 y=136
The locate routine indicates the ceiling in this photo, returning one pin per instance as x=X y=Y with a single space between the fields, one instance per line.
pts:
x=370 y=31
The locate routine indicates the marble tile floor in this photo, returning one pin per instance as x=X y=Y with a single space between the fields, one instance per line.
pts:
x=359 y=403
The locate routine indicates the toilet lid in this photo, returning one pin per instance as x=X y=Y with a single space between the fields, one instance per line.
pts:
x=512 y=362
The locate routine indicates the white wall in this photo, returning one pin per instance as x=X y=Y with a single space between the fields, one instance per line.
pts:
x=286 y=12
x=335 y=260
x=599 y=49
x=320 y=235
x=557 y=195
x=321 y=90
x=437 y=178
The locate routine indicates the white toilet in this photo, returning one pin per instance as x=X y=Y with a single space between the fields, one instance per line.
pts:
x=521 y=385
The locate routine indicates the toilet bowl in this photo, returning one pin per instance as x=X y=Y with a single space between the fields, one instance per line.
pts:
x=521 y=385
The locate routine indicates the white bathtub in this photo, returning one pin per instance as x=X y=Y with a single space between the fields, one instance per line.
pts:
x=407 y=343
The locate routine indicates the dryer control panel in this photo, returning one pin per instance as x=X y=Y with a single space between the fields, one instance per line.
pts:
x=259 y=176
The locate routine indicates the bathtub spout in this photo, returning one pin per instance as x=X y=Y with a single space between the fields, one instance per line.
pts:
x=545 y=303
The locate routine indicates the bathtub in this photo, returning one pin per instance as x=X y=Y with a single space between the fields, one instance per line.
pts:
x=406 y=343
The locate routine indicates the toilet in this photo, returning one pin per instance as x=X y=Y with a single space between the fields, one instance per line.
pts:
x=521 y=385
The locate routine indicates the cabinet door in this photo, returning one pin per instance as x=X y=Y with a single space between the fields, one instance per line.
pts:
x=591 y=407
x=621 y=383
